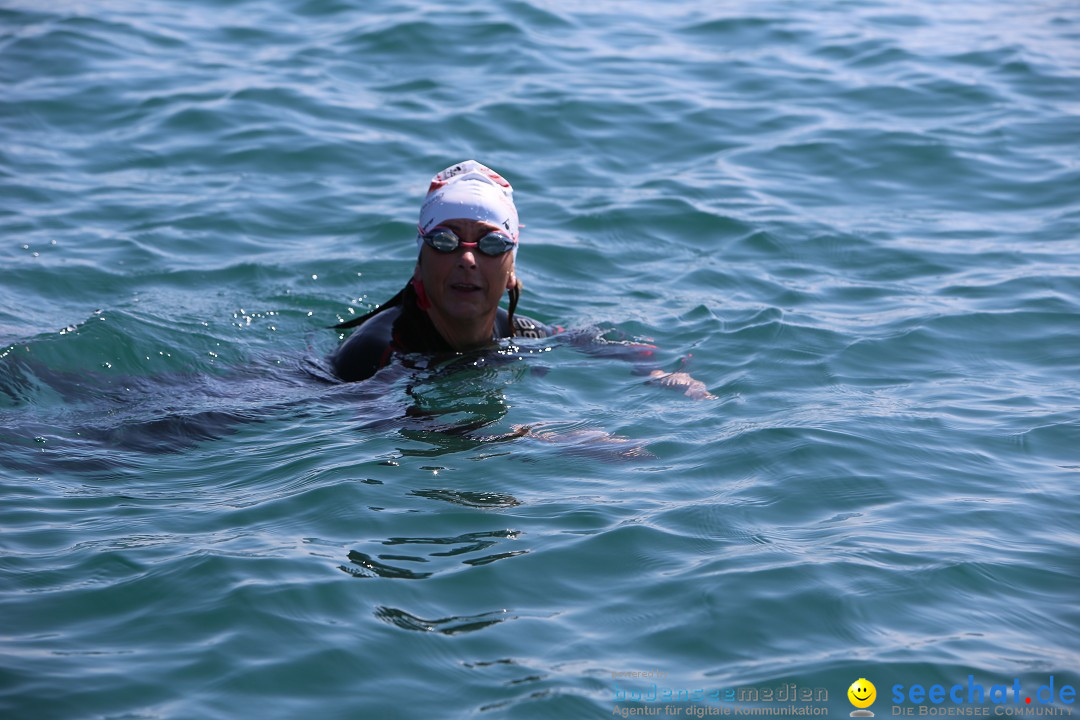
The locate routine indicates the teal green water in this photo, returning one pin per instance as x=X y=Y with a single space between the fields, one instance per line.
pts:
x=856 y=223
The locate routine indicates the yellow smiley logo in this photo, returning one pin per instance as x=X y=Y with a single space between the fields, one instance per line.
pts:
x=862 y=693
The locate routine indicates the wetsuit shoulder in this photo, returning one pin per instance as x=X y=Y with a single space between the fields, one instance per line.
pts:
x=367 y=349
x=526 y=327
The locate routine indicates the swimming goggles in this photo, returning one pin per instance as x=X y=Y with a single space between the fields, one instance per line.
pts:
x=446 y=240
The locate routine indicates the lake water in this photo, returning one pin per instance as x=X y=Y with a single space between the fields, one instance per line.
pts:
x=856 y=222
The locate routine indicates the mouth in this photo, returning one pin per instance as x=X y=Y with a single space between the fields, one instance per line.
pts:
x=860 y=698
x=465 y=287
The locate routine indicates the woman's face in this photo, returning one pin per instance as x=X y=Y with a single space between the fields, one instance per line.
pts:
x=465 y=286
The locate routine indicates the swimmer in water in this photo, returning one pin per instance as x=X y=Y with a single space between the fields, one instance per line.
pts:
x=467 y=237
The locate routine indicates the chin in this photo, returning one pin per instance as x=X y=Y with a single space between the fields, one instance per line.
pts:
x=463 y=310
x=470 y=308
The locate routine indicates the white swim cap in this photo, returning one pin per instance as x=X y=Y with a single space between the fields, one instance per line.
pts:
x=469 y=191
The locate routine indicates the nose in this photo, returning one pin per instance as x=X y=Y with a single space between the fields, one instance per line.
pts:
x=467 y=258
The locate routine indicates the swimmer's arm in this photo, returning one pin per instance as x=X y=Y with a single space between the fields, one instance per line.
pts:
x=642 y=356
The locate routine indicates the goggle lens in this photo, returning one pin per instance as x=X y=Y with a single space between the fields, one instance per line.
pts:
x=494 y=243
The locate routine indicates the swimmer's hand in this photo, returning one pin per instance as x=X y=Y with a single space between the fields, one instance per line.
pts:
x=682 y=381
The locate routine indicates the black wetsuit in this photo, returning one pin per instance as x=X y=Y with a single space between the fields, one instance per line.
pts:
x=405 y=328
